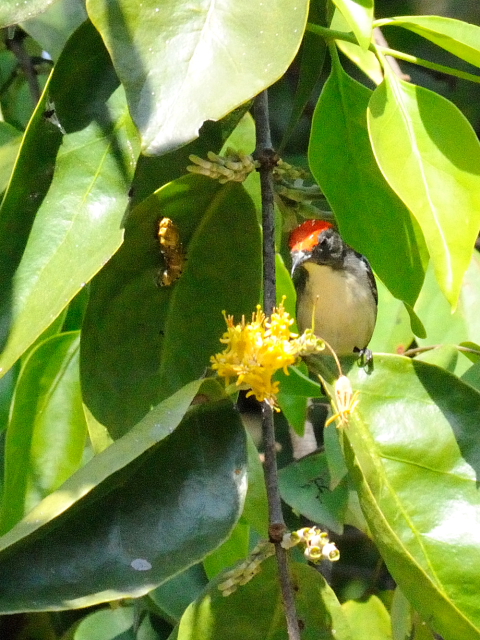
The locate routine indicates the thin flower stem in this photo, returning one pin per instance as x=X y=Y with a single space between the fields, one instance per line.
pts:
x=267 y=159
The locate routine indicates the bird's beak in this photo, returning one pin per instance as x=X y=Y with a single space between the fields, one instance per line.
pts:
x=297 y=258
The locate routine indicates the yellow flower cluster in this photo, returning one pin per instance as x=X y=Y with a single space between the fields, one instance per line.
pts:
x=256 y=350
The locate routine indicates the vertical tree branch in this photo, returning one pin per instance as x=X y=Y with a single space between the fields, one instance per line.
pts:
x=15 y=44
x=267 y=159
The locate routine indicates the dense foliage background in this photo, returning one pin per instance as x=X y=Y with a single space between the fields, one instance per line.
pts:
x=125 y=462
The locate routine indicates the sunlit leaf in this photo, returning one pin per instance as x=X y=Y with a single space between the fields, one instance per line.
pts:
x=359 y=16
x=414 y=456
x=46 y=432
x=172 y=58
x=370 y=215
x=430 y=155
x=460 y=38
x=14 y=11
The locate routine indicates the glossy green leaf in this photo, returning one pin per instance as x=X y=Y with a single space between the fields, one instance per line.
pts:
x=370 y=216
x=174 y=595
x=46 y=432
x=153 y=172
x=430 y=155
x=148 y=507
x=414 y=455
x=368 y=619
x=472 y=376
x=460 y=38
x=13 y=11
x=52 y=28
x=10 y=139
x=141 y=342
x=124 y=622
x=305 y=486
x=255 y=510
x=393 y=333
x=359 y=15
x=182 y=65
x=443 y=326
x=364 y=59
x=255 y=610
x=78 y=223
x=234 y=549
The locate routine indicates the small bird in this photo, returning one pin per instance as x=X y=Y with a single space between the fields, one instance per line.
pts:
x=336 y=290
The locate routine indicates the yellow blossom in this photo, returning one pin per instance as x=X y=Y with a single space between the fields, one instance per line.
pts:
x=256 y=350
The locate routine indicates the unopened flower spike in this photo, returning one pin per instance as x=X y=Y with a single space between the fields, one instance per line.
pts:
x=256 y=350
x=234 y=167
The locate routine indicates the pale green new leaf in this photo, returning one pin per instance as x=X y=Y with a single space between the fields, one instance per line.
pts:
x=184 y=63
x=359 y=15
x=458 y=37
x=430 y=156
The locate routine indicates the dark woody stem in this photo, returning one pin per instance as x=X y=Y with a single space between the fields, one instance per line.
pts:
x=267 y=159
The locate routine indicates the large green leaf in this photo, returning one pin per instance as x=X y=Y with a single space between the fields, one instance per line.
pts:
x=430 y=155
x=359 y=15
x=141 y=342
x=443 y=326
x=78 y=224
x=46 y=431
x=460 y=38
x=413 y=450
x=255 y=610
x=146 y=508
x=370 y=215
x=9 y=144
x=368 y=619
x=13 y=11
x=184 y=64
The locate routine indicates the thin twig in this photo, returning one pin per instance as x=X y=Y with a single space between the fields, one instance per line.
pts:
x=330 y=34
x=382 y=41
x=15 y=45
x=267 y=159
x=459 y=347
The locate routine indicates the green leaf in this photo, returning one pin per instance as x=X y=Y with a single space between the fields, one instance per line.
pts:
x=77 y=224
x=52 y=28
x=411 y=443
x=443 y=326
x=430 y=156
x=255 y=610
x=141 y=342
x=172 y=58
x=174 y=595
x=10 y=139
x=234 y=549
x=255 y=510
x=13 y=11
x=365 y=60
x=393 y=333
x=130 y=519
x=458 y=37
x=153 y=172
x=305 y=486
x=368 y=619
x=359 y=16
x=370 y=216
x=46 y=432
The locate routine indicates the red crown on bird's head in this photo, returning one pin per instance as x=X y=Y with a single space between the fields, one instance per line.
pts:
x=305 y=237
